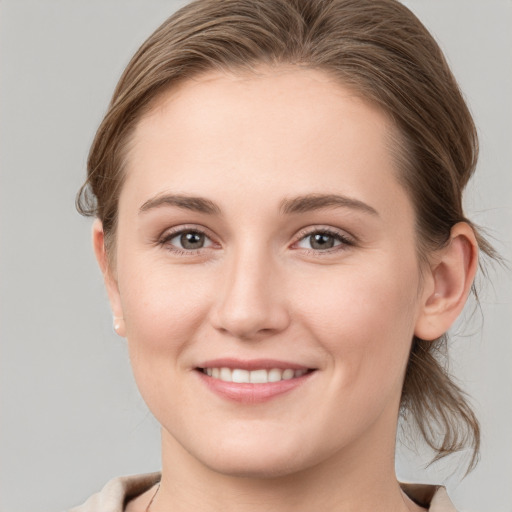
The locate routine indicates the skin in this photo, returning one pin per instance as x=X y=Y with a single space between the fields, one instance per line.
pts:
x=260 y=288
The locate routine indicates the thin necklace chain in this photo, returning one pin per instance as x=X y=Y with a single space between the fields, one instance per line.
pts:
x=154 y=496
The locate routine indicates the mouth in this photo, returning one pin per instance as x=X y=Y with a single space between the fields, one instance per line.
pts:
x=254 y=381
x=258 y=376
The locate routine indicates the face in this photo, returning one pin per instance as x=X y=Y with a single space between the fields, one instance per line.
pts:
x=266 y=271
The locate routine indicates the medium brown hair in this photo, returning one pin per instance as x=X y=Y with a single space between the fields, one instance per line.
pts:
x=377 y=47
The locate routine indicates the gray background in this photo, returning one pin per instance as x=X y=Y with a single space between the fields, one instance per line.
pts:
x=71 y=417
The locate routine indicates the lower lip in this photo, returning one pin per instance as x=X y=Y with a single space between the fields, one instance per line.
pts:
x=247 y=393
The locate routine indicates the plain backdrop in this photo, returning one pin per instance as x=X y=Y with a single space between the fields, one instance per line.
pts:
x=71 y=416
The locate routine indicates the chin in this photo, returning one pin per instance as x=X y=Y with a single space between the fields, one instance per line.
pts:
x=251 y=467
x=273 y=458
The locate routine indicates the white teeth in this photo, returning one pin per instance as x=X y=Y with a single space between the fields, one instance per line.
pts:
x=240 y=376
x=259 y=376
x=255 y=376
x=226 y=374
x=275 y=375
x=288 y=374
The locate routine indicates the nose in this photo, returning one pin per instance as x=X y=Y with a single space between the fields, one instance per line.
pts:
x=252 y=302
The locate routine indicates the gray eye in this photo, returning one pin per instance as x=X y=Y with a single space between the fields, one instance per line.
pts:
x=320 y=241
x=190 y=240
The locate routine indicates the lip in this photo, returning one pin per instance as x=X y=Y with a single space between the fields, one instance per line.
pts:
x=252 y=364
x=247 y=393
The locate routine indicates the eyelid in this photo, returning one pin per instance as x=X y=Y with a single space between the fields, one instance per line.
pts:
x=318 y=228
x=346 y=239
x=171 y=233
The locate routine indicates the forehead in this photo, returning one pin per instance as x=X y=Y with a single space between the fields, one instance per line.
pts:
x=271 y=131
x=297 y=99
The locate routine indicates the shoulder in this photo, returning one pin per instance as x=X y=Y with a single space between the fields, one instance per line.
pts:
x=117 y=492
x=433 y=497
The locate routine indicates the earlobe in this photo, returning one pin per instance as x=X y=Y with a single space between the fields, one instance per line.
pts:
x=452 y=274
x=118 y=324
x=98 y=241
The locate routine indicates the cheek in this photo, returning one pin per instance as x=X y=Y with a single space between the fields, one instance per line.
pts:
x=364 y=318
x=163 y=306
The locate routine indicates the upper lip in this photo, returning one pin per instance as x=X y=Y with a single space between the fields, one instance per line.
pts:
x=252 y=364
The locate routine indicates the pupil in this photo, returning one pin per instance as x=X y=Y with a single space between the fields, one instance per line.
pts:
x=192 y=240
x=322 y=241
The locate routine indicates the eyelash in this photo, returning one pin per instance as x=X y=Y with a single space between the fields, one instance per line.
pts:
x=344 y=240
x=164 y=241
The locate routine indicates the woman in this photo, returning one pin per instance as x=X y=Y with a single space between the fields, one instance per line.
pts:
x=277 y=186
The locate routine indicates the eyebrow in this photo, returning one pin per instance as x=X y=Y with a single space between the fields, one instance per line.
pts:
x=197 y=204
x=312 y=202
x=300 y=204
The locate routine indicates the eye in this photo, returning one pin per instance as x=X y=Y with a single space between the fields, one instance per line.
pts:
x=323 y=240
x=186 y=240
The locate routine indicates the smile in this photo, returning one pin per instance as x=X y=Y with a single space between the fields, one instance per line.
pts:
x=252 y=381
x=260 y=376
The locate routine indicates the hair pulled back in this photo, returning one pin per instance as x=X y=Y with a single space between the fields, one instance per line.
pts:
x=380 y=49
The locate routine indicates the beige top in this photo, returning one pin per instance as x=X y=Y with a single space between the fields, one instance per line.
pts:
x=117 y=492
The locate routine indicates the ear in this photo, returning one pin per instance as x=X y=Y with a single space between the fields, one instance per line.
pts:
x=451 y=275
x=98 y=242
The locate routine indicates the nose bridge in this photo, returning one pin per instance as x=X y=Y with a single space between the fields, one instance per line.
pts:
x=251 y=303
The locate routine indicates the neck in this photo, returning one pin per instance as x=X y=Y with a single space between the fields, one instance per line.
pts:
x=361 y=478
